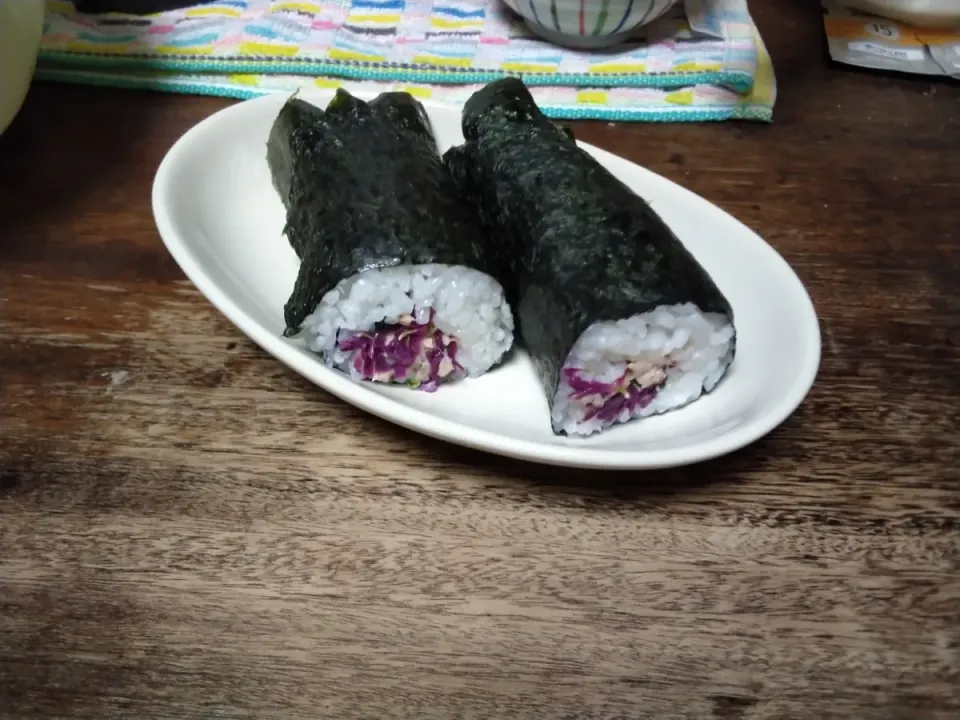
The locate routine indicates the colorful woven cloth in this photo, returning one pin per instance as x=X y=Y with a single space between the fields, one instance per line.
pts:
x=703 y=61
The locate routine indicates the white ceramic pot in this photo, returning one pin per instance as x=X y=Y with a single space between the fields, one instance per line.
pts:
x=21 y=26
x=588 y=24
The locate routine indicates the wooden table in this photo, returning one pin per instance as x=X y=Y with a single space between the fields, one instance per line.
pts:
x=189 y=530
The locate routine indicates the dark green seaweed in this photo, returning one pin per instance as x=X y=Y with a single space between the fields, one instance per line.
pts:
x=574 y=244
x=364 y=187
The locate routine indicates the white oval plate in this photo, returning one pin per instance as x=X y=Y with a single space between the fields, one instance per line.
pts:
x=220 y=218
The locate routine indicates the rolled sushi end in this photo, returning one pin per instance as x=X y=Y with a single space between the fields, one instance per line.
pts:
x=420 y=326
x=644 y=365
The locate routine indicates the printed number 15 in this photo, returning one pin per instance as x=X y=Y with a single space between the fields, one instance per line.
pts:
x=883 y=30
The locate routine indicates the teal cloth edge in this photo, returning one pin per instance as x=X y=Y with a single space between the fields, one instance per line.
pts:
x=738 y=81
x=748 y=112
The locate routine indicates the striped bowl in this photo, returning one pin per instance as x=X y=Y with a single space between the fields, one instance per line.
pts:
x=588 y=23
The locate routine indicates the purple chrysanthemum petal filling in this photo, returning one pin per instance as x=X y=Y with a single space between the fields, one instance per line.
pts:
x=416 y=354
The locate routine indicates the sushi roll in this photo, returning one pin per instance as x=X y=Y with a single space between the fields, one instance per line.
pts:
x=395 y=283
x=619 y=319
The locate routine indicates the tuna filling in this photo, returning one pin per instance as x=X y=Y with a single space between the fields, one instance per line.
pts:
x=416 y=354
x=606 y=401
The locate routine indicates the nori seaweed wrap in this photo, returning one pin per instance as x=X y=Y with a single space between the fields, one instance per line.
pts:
x=618 y=317
x=395 y=283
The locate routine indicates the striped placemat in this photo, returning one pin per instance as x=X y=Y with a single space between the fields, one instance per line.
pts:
x=704 y=60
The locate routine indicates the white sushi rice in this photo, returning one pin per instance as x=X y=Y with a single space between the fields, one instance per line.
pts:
x=469 y=305
x=700 y=344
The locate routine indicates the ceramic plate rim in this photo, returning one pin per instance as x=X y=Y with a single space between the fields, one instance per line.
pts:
x=420 y=421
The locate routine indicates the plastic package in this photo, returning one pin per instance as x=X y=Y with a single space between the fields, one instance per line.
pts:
x=883 y=43
x=924 y=14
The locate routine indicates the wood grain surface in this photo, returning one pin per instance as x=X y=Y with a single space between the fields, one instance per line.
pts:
x=189 y=530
